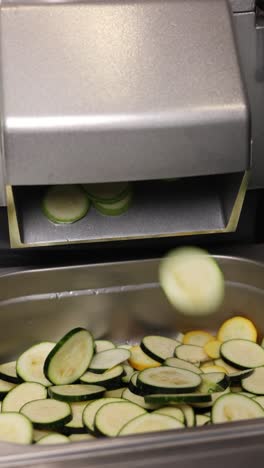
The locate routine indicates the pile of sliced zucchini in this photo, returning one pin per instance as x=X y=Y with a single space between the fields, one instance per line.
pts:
x=80 y=388
x=64 y=204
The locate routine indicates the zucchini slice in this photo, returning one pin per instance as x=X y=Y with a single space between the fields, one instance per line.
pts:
x=55 y=438
x=138 y=400
x=209 y=368
x=110 y=379
x=212 y=349
x=111 y=417
x=5 y=387
x=115 y=208
x=151 y=423
x=80 y=437
x=140 y=360
x=237 y=328
x=103 y=345
x=76 y=392
x=21 y=394
x=192 y=281
x=128 y=371
x=16 y=428
x=254 y=383
x=90 y=411
x=8 y=372
x=162 y=399
x=202 y=420
x=70 y=357
x=189 y=415
x=30 y=364
x=159 y=348
x=116 y=393
x=237 y=377
x=65 y=204
x=132 y=385
x=214 y=382
x=38 y=434
x=229 y=369
x=197 y=337
x=106 y=360
x=243 y=354
x=167 y=379
x=172 y=411
x=191 y=353
x=76 y=426
x=235 y=407
x=47 y=414
x=181 y=364
x=259 y=400
x=107 y=192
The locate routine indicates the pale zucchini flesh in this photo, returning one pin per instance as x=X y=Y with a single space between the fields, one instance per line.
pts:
x=106 y=360
x=181 y=364
x=48 y=413
x=65 y=204
x=16 y=428
x=8 y=372
x=30 y=364
x=243 y=354
x=52 y=439
x=167 y=379
x=138 y=400
x=18 y=396
x=235 y=407
x=111 y=417
x=70 y=357
x=159 y=348
x=151 y=423
x=192 y=281
x=90 y=411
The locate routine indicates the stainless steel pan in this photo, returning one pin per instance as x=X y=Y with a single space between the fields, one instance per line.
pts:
x=123 y=301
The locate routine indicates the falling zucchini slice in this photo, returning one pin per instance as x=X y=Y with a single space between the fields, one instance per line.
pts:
x=192 y=281
x=65 y=204
x=70 y=357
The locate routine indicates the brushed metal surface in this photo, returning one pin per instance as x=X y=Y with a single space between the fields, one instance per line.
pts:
x=122 y=301
x=184 y=207
x=251 y=50
x=236 y=5
x=158 y=95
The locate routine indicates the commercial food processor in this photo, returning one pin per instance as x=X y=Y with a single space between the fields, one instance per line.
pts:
x=168 y=96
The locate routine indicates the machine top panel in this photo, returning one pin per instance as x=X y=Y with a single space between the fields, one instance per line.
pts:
x=121 y=90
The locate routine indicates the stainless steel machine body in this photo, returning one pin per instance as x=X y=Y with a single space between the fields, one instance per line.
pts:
x=134 y=91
